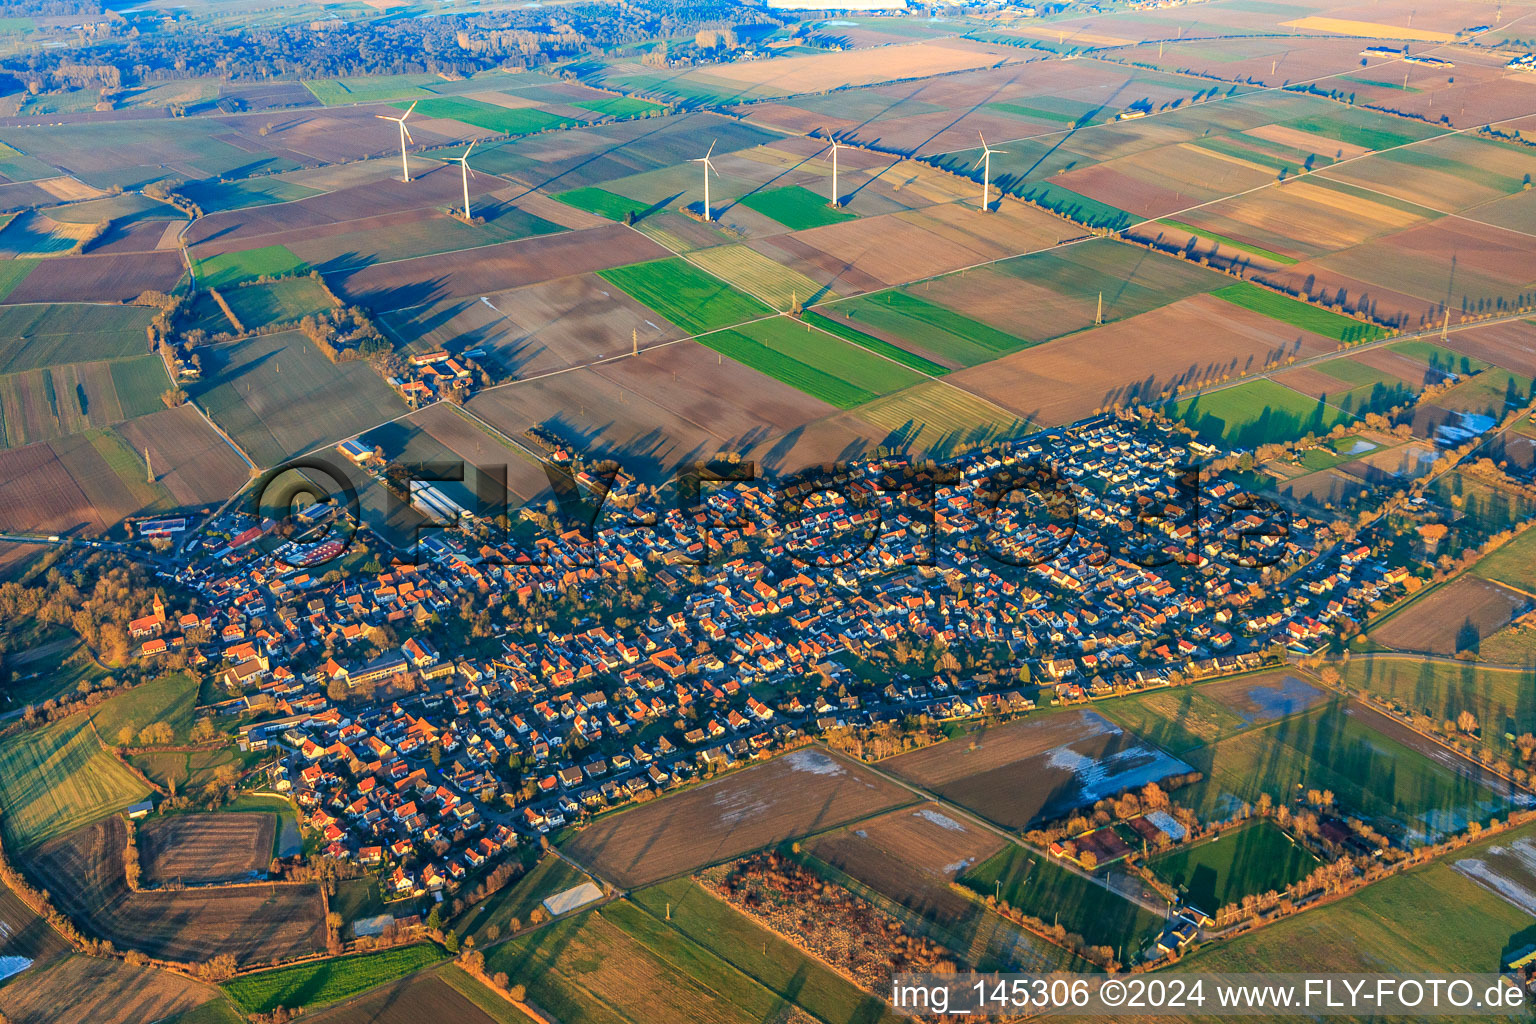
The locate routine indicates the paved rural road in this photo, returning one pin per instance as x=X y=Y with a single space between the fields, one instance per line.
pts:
x=1158 y=907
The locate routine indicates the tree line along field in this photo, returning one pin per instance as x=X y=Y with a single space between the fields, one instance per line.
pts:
x=1299 y=314
x=516 y=902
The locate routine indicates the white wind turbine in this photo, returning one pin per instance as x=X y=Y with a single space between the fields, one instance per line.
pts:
x=986 y=174
x=836 y=198
x=466 y=173
x=405 y=133
x=707 y=168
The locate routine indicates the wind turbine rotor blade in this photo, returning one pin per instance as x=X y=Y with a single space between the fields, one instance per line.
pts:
x=407 y=131
x=471 y=148
x=711 y=151
x=979 y=161
x=409 y=109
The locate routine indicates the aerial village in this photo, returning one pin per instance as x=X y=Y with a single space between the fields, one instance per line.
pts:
x=749 y=638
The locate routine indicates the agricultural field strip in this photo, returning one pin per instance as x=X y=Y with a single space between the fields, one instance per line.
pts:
x=829 y=334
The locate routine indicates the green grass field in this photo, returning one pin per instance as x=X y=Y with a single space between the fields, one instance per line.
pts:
x=232 y=268
x=1258 y=412
x=686 y=295
x=317 y=984
x=796 y=207
x=759 y=953
x=931 y=327
x=1250 y=861
x=490 y=116
x=1230 y=243
x=1052 y=893
x=57 y=778
x=13 y=272
x=1363 y=128
x=827 y=368
x=602 y=202
x=214 y=196
x=139 y=383
x=1049 y=108
x=36 y=336
x=370 y=88
x=1514 y=563
x=1298 y=314
x=277 y=302
x=1493 y=392
x=874 y=344
x=170 y=699
x=1439 y=357
x=1176 y=719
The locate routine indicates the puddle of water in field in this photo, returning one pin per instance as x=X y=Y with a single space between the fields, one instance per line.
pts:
x=930 y=815
x=815 y=762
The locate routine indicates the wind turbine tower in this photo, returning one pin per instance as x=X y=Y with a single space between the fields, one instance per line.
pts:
x=466 y=174
x=708 y=167
x=405 y=133
x=836 y=196
x=986 y=174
